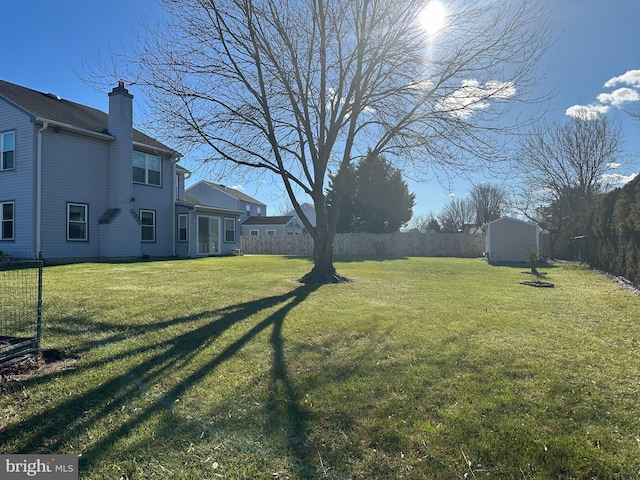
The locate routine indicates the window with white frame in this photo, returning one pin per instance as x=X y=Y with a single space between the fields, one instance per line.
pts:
x=183 y=227
x=147 y=169
x=8 y=151
x=77 y=215
x=7 y=216
x=253 y=233
x=230 y=230
x=248 y=210
x=271 y=232
x=259 y=210
x=148 y=225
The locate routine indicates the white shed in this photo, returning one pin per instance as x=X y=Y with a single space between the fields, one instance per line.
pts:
x=511 y=240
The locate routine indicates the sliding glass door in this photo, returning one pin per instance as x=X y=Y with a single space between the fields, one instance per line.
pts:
x=208 y=235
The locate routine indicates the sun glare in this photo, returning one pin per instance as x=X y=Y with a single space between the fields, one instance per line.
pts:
x=433 y=16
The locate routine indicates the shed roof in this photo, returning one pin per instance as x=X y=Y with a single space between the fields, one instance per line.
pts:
x=511 y=219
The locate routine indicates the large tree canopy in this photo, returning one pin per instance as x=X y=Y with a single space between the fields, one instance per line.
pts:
x=294 y=87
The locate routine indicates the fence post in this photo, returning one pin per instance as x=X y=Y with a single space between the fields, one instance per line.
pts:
x=39 y=315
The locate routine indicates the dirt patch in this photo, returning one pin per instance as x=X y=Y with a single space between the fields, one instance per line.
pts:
x=537 y=283
x=621 y=282
x=47 y=361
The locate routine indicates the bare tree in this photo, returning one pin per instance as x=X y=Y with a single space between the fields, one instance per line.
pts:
x=565 y=167
x=424 y=222
x=300 y=87
x=456 y=214
x=489 y=202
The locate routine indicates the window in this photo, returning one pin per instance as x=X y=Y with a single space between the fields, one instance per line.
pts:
x=183 y=227
x=147 y=225
x=271 y=232
x=8 y=219
x=230 y=230
x=259 y=210
x=253 y=233
x=77 y=222
x=147 y=169
x=248 y=209
x=8 y=149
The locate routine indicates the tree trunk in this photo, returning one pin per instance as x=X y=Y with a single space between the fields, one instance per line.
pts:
x=323 y=270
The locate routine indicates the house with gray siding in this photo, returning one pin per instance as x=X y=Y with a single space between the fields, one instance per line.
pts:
x=309 y=211
x=213 y=194
x=78 y=183
x=278 y=225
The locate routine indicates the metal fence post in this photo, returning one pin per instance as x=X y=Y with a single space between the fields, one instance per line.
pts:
x=39 y=315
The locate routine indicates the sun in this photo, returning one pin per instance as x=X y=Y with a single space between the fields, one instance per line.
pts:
x=433 y=16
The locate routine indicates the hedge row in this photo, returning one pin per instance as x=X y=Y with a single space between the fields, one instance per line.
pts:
x=614 y=243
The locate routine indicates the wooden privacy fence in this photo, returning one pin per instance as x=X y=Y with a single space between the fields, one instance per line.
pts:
x=373 y=244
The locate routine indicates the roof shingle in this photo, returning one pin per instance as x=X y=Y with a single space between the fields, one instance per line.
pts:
x=51 y=107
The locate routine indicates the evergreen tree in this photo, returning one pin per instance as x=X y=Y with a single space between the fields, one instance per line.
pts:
x=378 y=200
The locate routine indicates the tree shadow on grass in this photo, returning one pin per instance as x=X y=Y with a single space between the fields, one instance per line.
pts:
x=63 y=424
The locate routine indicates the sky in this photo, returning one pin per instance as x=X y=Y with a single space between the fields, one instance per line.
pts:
x=594 y=66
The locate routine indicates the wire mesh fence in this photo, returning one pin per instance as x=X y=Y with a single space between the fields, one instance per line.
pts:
x=20 y=310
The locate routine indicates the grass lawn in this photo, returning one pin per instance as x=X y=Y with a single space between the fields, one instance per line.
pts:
x=421 y=368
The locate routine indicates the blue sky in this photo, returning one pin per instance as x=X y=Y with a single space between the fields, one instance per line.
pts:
x=48 y=44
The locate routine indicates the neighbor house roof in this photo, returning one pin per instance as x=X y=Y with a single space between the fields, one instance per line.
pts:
x=189 y=201
x=309 y=211
x=281 y=220
x=51 y=107
x=233 y=192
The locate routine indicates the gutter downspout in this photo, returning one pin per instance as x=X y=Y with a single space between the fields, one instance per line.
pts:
x=45 y=125
x=173 y=206
x=174 y=159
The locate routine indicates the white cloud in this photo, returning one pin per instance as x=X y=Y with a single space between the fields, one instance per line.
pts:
x=616 y=179
x=631 y=77
x=614 y=165
x=587 y=112
x=619 y=97
x=473 y=96
x=238 y=187
x=501 y=90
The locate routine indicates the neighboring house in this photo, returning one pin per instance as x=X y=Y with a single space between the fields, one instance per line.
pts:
x=212 y=194
x=281 y=225
x=511 y=240
x=309 y=210
x=78 y=183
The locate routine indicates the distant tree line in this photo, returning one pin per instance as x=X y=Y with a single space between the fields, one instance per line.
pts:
x=484 y=204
